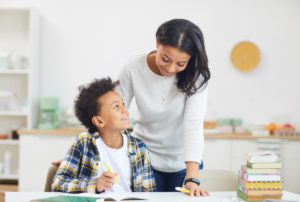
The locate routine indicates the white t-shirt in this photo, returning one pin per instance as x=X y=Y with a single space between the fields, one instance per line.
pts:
x=169 y=122
x=118 y=161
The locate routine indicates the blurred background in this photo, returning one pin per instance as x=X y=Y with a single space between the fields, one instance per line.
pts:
x=50 y=47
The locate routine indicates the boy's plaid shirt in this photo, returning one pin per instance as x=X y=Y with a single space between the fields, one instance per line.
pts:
x=78 y=171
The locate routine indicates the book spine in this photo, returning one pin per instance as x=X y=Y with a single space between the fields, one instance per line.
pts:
x=264 y=165
x=242 y=195
x=259 y=185
x=259 y=178
x=247 y=197
x=260 y=191
x=260 y=171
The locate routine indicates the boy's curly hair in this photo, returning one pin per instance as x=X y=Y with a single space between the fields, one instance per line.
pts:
x=86 y=105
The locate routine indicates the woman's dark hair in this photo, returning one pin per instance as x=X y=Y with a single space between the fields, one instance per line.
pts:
x=86 y=103
x=187 y=37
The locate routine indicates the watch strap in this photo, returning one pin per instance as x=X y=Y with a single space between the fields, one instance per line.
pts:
x=194 y=180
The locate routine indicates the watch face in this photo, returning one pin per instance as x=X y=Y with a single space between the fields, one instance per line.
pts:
x=245 y=56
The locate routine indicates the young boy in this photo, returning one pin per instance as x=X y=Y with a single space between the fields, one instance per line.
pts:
x=104 y=158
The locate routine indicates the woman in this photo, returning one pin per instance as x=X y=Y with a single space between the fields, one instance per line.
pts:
x=169 y=86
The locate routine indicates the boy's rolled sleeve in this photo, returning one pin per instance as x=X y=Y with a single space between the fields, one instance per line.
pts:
x=68 y=178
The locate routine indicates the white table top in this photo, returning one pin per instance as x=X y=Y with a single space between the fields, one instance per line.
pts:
x=152 y=196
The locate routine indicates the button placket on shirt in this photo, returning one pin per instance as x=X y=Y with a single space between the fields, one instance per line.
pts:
x=164 y=92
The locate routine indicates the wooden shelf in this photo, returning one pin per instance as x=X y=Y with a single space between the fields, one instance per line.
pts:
x=9 y=142
x=245 y=136
x=13 y=113
x=13 y=72
x=7 y=188
x=62 y=131
x=20 y=40
x=9 y=177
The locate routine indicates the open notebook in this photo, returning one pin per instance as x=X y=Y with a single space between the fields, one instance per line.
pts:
x=86 y=198
x=118 y=196
x=67 y=198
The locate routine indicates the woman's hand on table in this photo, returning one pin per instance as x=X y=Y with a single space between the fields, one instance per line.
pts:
x=195 y=190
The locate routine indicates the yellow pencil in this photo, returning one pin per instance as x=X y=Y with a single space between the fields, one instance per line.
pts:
x=183 y=190
x=117 y=179
x=107 y=167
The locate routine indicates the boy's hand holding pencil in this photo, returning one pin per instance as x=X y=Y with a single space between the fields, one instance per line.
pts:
x=107 y=179
x=117 y=179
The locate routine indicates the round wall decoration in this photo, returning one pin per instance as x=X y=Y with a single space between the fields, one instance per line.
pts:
x=245 y=56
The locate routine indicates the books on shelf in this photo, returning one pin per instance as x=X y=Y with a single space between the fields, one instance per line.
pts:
x=261 y=157
x=258 y=177
x=275 y=165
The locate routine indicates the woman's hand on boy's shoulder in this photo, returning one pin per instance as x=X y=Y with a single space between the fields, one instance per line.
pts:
x=56 y=163
x=195 y=189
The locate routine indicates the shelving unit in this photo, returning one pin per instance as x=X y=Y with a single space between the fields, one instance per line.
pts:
x=9 y=177
x=13 y=113
x=19 y=34
x=13 y=147
x=13 y=71
x=9 y=142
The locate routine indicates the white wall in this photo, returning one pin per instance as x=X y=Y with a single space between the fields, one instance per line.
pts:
x=86 y=39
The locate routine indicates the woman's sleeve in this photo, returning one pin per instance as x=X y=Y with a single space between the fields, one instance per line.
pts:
x=125 y=88
x=193 y=124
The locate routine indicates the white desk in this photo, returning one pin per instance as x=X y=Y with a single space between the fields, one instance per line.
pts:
x=152 y=196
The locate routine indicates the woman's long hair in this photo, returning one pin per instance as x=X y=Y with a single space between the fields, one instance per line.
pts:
x=187 y=37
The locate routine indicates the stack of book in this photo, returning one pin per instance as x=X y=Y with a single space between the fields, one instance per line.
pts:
x=260 y=178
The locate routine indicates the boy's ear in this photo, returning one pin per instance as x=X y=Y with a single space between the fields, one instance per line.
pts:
x=98 y=121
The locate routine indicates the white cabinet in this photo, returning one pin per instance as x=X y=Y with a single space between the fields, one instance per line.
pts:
x=19 y=48
x=291 y=165
x=39 y=148
x=217 y=154
x=229 y=154
x=239 y=150
x=37 y=151
x=9 y=168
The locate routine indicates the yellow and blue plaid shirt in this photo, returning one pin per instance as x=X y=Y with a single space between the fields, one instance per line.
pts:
x=78 y=171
